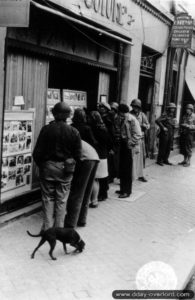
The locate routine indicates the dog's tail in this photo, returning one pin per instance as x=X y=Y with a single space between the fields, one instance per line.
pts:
x=34 y=235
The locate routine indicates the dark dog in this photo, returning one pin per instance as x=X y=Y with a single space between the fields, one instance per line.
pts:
x=64 y=235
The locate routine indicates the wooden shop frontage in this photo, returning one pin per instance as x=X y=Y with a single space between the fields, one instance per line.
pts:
x=60 y=56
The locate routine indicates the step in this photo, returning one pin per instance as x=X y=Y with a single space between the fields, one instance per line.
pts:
x=23 y=212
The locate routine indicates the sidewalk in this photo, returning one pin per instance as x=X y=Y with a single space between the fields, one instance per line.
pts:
x=157 y=223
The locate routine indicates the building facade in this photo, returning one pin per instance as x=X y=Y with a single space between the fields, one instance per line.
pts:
x=82 y=52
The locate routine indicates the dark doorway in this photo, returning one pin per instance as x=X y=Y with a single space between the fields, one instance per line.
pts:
x=64 y=74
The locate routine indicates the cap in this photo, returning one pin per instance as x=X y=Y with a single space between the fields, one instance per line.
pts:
x=114 y=105
x=136 y=103
x=171 y=105
x=190 y=106
x=104 y=104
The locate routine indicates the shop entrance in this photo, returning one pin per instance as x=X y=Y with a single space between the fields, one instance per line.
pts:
x=64 y=74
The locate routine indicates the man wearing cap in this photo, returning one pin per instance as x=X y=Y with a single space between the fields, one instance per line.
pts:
x=57 y=148
x=186 y=134
x=167 y=123
x=139 y=158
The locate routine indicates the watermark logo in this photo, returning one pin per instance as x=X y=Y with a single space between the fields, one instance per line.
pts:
x=156 y=275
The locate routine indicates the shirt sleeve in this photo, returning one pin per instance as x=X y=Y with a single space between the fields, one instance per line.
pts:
x=76 y=145
x=145 y=122
x=136 y=133
x=38 y=152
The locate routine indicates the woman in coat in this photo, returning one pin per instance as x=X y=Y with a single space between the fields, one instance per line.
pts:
x=103 y=146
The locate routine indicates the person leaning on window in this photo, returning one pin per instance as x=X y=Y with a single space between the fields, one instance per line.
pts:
x=57 y=149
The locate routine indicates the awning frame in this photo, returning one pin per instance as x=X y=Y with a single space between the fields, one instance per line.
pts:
x=65 y=16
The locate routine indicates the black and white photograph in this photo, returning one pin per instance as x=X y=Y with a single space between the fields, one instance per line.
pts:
x=29 y=126
x=4 y=162
x=22 y=136
x=20 y=170
x=12 y=161
x=20 y=160
x=22 y=125
x=27 y=159
x=97 y=117
x=28 y=141
x=6 y=137
x=13 y=137
x=27 y=169
x=19 y=180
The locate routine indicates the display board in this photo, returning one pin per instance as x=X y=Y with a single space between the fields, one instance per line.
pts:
x=76 y=99
x=18 y=135
x=53 y=97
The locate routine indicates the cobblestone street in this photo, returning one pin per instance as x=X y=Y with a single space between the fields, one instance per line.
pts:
x=157 y=223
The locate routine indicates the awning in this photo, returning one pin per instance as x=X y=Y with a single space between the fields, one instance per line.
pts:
x=65 y=16
x=190 y=74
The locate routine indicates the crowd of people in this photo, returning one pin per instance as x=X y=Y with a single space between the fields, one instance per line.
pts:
x=77 y=162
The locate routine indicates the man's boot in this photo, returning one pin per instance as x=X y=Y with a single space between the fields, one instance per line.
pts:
x=187 y=164
x=184 y=161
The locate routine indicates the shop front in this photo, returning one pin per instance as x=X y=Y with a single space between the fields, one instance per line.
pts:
x=54 y=59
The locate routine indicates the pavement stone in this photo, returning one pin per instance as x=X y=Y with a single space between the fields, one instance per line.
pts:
x=157 y=223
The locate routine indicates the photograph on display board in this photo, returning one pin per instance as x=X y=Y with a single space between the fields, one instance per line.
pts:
x=28 y=141
x=22 y=125
x=4 y=161
x=75 y=98
x=19 y=180
x=53 y=97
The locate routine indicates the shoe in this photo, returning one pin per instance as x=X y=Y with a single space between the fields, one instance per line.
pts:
x=118 y=192
x=143 y=179
x=159 y=163
x=187 y=164
x=101 y=199
x=124 y=195
x=167 y=163
x=80 y=224
x=93 y=205
x=182 y=163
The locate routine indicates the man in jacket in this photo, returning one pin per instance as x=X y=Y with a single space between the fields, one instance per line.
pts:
x=167 y=123
x=128 y=134
x=139 y=158
x=186 y=136
x=58 y=147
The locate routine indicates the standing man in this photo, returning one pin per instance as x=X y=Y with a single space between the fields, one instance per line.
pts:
x=58 y=147
x=186 y=137
x=139 y=158
x=128 y=135
x=167 y=123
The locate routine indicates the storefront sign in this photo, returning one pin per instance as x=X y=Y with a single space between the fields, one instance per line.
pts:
x=14 y=13
x=112 y=14
x=182 y=31
x=113 y=10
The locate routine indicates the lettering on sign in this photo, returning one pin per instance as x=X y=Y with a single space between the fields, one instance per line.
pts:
x=113 y=10
x=182 y=31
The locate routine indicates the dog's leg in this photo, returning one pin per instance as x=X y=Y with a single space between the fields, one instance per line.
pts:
x=52 y=246
x=42 y=241
x=65 y=249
